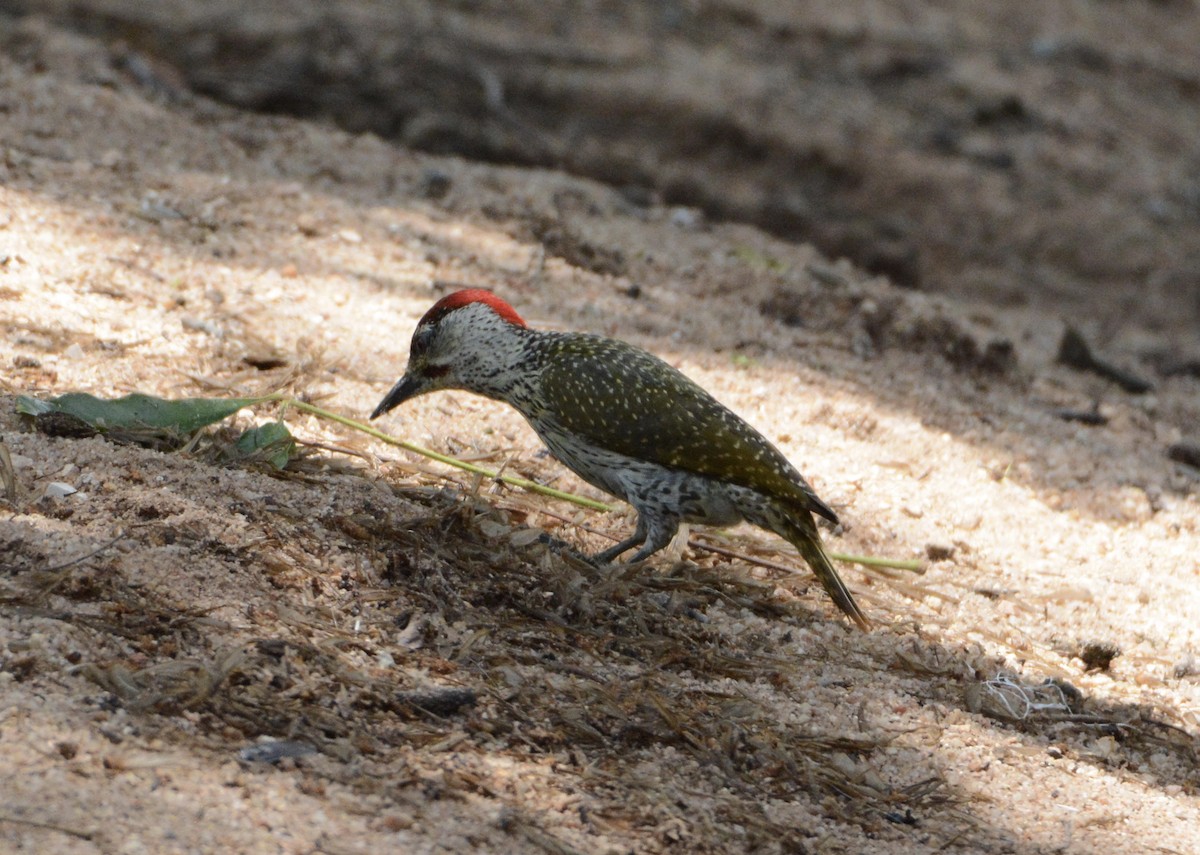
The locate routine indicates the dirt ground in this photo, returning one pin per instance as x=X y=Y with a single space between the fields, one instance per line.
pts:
x=371 y=652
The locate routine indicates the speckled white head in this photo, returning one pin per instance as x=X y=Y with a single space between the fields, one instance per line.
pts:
x=468 y=340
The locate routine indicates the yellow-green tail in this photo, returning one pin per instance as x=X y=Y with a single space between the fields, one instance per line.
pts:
x=800 y=530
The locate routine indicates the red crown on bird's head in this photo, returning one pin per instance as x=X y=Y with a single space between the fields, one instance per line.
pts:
x=466 y=297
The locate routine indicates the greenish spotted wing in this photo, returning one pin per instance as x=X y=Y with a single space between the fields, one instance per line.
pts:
x=628 y=401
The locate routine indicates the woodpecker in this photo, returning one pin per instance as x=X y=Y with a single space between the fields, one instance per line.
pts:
x=624 y=421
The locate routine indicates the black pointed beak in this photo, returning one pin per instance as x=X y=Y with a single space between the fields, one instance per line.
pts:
x=408 y=387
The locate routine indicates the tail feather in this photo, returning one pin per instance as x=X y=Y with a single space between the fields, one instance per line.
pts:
x=800 y=530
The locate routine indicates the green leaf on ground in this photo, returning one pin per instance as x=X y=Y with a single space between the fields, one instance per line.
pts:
x=137 y=412
x=271 y=442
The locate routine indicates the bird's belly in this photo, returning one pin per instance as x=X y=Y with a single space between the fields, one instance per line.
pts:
x=685 y=496
x=601 y=468
x=649 y=486
x=701 y=500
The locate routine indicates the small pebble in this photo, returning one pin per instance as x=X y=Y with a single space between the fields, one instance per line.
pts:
x=435 y=184
x=273 y=752
x=59 y=490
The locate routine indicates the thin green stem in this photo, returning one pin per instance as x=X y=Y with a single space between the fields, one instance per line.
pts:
x=526 y=484
x=874 y=561
x=523 y=483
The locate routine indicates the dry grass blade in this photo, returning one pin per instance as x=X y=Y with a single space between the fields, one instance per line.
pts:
x=8 y=475
x=104 y=547
x=169 y=686
x=49 y=826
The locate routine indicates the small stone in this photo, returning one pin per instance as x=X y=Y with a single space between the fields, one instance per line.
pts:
x=435 y=184
x=307 y=225
x=59 y=490
x=689 y=219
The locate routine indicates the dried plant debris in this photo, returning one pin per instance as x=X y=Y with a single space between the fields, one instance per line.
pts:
x=67 y=426
x=472 y=639
x=1075 y=352
x=1092 y=417
x=1126 y=735
x=441 y=702
x=626 y=650
x=171 y=686
x=1169 y=363
x=274 y=750
x=8 y=474
x=1185 y=452
x=541 y=654
x=1098 y=655
x=475 y=636
x=1008 y=698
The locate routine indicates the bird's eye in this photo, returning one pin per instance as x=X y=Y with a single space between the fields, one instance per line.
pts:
x=420 y=342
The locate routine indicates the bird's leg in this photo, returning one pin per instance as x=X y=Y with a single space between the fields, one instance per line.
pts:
x=609 y=554
x=639 y=537
x=660 y=531
x=557 y=545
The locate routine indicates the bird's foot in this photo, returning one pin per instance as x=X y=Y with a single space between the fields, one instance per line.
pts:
x=558 y=546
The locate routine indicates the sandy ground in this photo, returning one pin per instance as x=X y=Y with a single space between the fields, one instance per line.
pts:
x=175 y=611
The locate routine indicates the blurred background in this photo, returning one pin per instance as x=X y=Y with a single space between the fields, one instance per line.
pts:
x=1042 y=154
